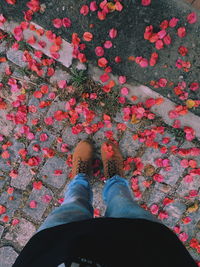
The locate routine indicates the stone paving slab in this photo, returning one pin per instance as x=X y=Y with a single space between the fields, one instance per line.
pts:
x=48 y=175
x=21 y=233
x=37 y=196
x=171 y=177
x=10 y=204
x=72 y=139
x=4 y=166
x=65 y=53
x=42 y=142
x=189 y=227
x=6 y=126
x=175 y=211
x=7 y=256
x=16 y=57
x=129 y=146
x=185 y=187
x=98 y=202
x=3 y=47
x=58 y=105
x=24 y=177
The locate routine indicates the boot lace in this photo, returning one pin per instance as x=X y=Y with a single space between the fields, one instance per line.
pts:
x=112 y=168
x=83 y=166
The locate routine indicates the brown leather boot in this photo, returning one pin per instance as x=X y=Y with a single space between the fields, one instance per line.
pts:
x=82 y=158
x=112 y=160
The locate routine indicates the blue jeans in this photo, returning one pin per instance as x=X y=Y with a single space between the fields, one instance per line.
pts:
x=77 y=203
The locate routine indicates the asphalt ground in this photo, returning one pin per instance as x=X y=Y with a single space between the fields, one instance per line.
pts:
x=130 y=24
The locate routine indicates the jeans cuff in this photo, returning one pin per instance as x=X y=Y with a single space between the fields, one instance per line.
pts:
x=116 y=179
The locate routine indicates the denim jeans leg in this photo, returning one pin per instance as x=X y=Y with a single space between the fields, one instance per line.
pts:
x=120 y=203
x=77 y=204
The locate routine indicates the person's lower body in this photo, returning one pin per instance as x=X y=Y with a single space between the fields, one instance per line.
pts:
x=77 y=204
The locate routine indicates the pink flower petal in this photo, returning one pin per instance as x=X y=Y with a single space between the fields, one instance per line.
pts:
x=173 y=22
x=66 y=22
x=181 y=32
x=192 y=18
x=122 y=79
x=146 y=2
x=57 y=23
x=124 y=91
x=113 y=33
x=33 y=204
x=99 y=51
x=93 y=6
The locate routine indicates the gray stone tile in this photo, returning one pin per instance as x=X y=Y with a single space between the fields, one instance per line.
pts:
x=2 y=69
x=155 y=197
x=190 y=227
x=3 y=165
x=37 y=195
x=184 y=187
x=48 y=169
x=24 y=177
x=16 y=56
x=97 y=197
x=128 y=146
x=60 y=75
x=7 y=256
x=60 y=105
x=72 y=139
x=176 y=171
x=11 y=205
x=42 y=144
x=175 y=211
x=150 y=156
x=6 y=126
x=3 y=47
x=21 y=233
x=172 y=142
x=14 y=149
x=2 y=180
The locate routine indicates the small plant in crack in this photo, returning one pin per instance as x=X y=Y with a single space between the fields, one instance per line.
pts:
x=78 y=78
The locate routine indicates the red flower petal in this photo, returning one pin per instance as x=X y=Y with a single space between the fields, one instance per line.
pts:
x=162 y=82
x=99 y=51
x=167 y=39
x=113 y=33
x=93 y=6
x=84 y=10
x=159 y=44
x=2 y=209
x=57 y=23
x=153 y=59
x=154 y=209
x=102 y=62
x=37 y=185
x=192 y=18
x=181 y=32
x=33 y=204
x=2 y=19
x=183 y=50
x=11 y=2
x=58 y=172
x=66 y=22
x=87 y=36
x=146 y=2
x=118 y=6
x=173 y=22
